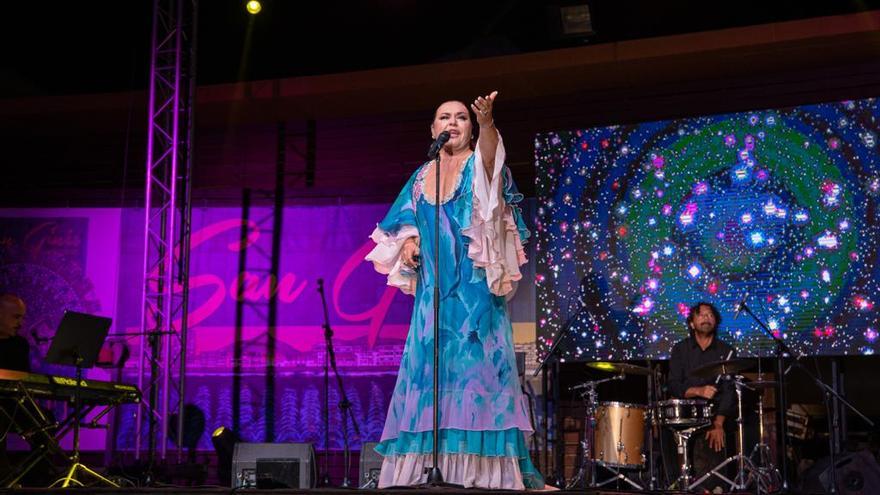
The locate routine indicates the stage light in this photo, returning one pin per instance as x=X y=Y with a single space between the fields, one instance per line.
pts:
x=576 y=20
x=224 y=445
x=254 y=7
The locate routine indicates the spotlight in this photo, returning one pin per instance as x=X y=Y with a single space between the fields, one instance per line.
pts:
x=254 y=7
x=224 y=444
x=576 y=20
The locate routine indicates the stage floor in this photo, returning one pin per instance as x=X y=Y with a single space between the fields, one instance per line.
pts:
x=319 y=491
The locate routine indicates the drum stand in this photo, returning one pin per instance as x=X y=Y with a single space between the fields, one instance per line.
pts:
x=587 y=468
x=618 y=476
x=682 y=439
x=746 y=469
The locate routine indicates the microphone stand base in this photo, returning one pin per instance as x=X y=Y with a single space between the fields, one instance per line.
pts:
x=435 y=477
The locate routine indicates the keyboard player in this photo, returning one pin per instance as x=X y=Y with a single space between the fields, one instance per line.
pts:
x=14 y=349
x=15 y=355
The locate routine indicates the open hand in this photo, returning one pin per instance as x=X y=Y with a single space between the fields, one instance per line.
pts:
x=482 y=107
x=715 y=436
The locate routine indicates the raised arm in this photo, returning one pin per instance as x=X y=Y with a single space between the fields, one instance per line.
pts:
x=482 y=107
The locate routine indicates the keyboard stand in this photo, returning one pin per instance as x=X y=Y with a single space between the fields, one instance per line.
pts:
x=35 y=428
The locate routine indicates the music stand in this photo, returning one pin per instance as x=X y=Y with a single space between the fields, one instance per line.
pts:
x=77 y=342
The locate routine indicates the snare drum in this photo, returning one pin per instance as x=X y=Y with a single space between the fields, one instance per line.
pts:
x=619 y=436
x=683 y=413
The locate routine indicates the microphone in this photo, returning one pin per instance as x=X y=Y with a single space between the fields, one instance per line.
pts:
x=740 y=306
x=435 y=148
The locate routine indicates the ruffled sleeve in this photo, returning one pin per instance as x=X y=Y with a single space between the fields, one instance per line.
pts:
x=389 y=235
x=497 y=231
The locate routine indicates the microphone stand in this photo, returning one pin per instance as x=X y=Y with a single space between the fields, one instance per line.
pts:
x=435 y=476
x=828 y=392
x=344 y=403
x=560 y=337
x=563 y=332
x=324 y=479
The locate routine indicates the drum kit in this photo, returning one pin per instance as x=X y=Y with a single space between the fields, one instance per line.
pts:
x=616 y=433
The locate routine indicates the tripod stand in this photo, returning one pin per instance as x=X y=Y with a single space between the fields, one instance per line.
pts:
x=344 y=403
x=77 y=342
x=76 y=466
x=746 y=469
x=782 y=350
x=768 y=478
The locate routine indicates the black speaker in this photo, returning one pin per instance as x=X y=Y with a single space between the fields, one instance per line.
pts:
x=370 y=465
x=273 y=465
x=857 y=473
x=277 y=473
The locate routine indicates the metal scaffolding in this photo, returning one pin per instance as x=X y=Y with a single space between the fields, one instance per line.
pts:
x=167 y=212
x=254 y=259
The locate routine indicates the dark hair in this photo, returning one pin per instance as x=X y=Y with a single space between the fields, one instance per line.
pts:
x=696 y=307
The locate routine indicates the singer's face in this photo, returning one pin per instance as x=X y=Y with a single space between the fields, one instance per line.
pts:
x=704 y=321
x=11 y=317
x=453 y=116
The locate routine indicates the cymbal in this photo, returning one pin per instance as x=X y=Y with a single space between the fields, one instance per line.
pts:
x=763 y=384
x=630 y=369
x=729 y=367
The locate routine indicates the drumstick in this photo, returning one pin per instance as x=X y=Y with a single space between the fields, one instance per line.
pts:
x=729 y=355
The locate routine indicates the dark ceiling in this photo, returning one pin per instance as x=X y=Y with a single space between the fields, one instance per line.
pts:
x=89 y=150
x=64 y=47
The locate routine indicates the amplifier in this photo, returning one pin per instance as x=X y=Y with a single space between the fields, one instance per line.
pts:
x=273 y=465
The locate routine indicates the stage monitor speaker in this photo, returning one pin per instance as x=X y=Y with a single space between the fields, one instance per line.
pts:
x=857 y=473
x=371 y=464
x=273 y=465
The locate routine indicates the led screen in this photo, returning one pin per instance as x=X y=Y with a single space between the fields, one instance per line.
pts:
x=636 y=223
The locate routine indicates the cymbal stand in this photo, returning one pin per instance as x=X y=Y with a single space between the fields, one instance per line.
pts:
x=746 y=470
x=783 y=351
x=76 y=466
x=649 y=428
x=587 y=469
x=769 y=479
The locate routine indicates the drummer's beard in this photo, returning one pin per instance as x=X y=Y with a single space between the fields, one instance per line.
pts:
x=705 y=329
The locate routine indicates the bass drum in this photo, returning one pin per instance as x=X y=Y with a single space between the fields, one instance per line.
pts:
x=619 y=436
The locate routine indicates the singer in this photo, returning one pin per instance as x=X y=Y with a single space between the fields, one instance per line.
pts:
x=703 y=347
x=483 y=417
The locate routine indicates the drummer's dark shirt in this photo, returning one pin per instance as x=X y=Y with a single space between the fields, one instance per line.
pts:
x=687 y=356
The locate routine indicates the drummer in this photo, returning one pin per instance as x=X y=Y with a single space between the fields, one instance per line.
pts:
x=703 y=347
